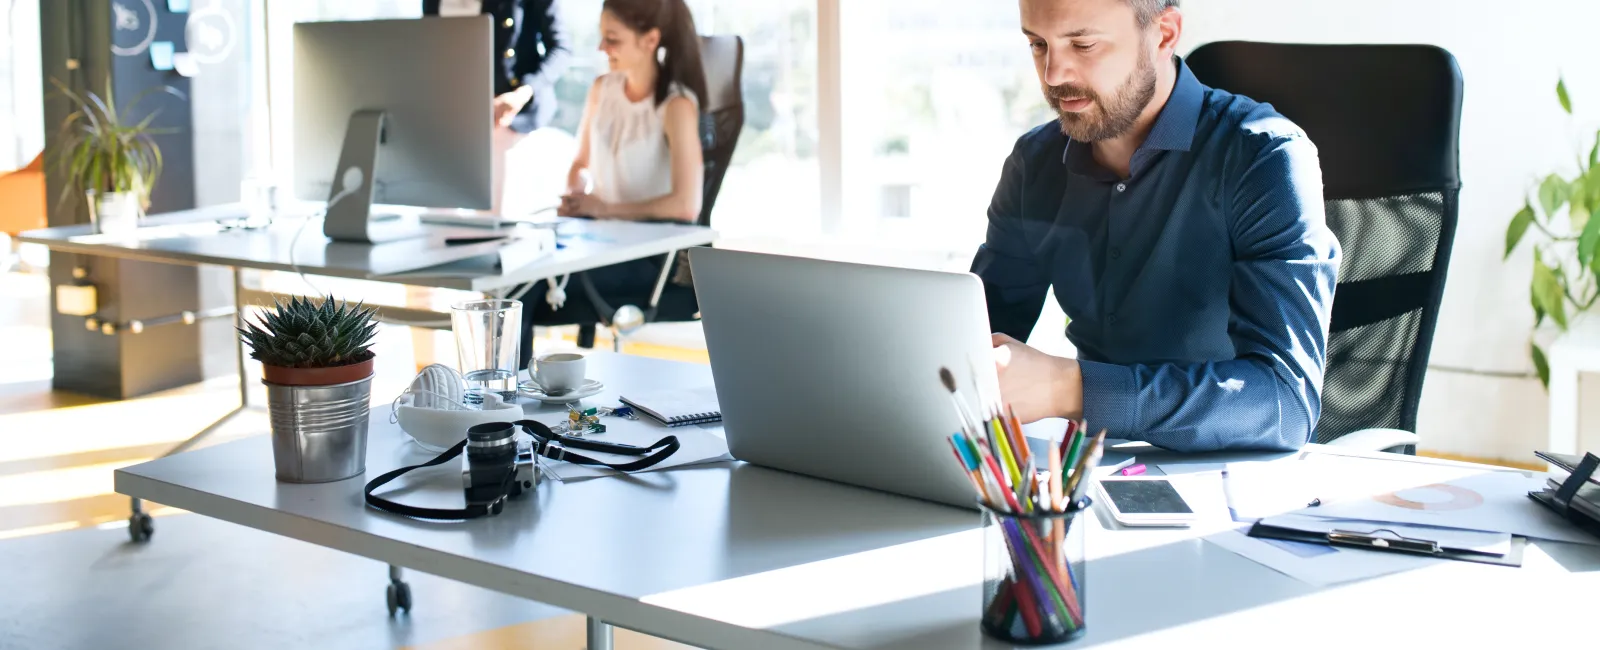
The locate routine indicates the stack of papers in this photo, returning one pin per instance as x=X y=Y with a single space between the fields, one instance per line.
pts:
x=1454 y=512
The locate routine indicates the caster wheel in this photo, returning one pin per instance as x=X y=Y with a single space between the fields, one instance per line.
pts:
x=141 y=527
x=398 y=598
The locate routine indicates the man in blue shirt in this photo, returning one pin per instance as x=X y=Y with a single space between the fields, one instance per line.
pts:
x=1182 y=229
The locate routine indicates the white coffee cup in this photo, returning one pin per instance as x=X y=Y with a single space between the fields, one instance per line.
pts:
x=560 y=372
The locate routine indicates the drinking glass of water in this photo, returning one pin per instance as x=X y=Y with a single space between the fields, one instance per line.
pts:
x=488 y=337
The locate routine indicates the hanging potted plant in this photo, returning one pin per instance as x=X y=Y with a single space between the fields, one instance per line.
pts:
x=317 y=367
x=112 y=164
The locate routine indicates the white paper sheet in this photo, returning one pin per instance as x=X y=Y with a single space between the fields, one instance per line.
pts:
x=1493 y=501
x=1263 y=489
x=700 y=445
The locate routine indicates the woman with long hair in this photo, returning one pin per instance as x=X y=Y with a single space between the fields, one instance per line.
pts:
x=639 y=152
x=639 y=143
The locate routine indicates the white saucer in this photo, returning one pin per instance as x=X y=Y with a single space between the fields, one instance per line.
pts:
x=590 y=388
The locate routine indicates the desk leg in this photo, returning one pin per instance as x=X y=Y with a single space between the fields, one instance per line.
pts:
x=140 y=526
x=661 y=281
x=1563 y=406
x=599 y=635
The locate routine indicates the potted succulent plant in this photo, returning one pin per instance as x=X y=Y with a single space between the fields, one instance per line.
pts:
x=113 y=164
x=317 y=365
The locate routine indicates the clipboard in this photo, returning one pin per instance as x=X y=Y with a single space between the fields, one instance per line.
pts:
x=1574 y=498
x=1385 y=537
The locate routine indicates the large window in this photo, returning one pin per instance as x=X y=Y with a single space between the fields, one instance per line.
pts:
x=21 y=89
x=935 y=93
x=770 y=191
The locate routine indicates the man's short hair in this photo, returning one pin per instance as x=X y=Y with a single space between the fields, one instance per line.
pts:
x=1147 y=10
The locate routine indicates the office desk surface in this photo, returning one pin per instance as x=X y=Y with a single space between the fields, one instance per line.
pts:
x=190 y=237
x=738 y=556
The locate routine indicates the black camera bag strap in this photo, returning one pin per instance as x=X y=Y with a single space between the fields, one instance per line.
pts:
x=545 y=443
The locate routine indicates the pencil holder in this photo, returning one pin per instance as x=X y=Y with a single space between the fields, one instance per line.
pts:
x=1033 y=579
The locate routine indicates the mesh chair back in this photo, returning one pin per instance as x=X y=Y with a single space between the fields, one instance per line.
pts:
x=1386 y=120
x=722 y=116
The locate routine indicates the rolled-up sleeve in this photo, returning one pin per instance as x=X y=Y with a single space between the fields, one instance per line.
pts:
x=1281 y=297
x=1014 y=283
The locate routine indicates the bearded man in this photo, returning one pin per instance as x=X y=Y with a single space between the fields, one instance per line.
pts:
x=1182 y=229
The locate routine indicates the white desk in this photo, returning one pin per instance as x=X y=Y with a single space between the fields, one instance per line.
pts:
x=738 y=556
x=293 y=243
x=584 y=245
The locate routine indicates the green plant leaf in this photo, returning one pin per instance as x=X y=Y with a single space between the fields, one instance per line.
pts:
x=1588 y=241
x=1594 y=152
x=1540 y=364
x=1578 y=214
x=1518 y=228
x=1538 y=312
x=1553 y=193
x=1561 y=94
x=1547 y=292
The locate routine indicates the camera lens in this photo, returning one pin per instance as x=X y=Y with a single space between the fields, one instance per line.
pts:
x=491 y=462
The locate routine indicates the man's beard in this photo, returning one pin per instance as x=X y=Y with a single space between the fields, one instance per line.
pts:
x=1106 y=120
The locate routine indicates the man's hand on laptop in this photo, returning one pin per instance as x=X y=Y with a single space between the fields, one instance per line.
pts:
x=1036 y=384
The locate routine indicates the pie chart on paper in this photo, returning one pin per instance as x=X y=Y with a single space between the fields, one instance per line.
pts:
x=1438 y=497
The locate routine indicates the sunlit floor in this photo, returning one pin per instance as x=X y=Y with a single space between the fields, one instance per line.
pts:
x=73 y=580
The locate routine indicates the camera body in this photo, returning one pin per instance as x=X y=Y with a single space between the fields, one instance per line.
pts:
x=493 y=474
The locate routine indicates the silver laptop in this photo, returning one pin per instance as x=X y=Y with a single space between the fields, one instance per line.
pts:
x=831 y=369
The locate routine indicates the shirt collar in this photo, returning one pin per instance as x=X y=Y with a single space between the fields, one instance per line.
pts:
x=1175 y=126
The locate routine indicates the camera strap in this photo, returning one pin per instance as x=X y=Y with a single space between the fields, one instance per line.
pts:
x=547 y=444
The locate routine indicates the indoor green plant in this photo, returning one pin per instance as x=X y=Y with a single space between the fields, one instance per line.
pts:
x=317 y=364
x=112 y=163
x=1566 y=252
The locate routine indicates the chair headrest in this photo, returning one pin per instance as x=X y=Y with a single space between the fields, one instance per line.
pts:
x=1386 y=119
x=723 y=59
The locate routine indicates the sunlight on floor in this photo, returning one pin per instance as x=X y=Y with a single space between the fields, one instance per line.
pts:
x=561 y=633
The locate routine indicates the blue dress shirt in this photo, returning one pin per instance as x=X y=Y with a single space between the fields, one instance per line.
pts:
x=1198 y=289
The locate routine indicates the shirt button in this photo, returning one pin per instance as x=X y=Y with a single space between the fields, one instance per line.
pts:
x=511 y=53
x=514 y=82
x=1116 y=253
x=1122 y=187
x=510 y=23
x=1111 y=319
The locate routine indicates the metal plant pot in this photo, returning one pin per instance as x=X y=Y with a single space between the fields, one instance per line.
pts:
x=319 y=433
x=115 y=213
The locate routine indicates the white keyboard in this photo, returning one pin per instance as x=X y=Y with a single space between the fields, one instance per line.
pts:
x=487 y=221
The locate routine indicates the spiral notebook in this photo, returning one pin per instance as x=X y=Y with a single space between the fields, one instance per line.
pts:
x=677 y=408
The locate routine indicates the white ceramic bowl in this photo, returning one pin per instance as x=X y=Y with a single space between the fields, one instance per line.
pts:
x=439 y=429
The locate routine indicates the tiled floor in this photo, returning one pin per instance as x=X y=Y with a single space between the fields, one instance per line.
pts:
x=69 y=578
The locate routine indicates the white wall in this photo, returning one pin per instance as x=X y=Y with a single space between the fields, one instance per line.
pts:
x=1513 y=132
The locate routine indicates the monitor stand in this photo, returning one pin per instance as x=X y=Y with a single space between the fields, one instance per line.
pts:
x=350 y=217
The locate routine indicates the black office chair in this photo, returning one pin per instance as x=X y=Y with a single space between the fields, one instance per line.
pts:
x=722 y=120
x=1386 y=120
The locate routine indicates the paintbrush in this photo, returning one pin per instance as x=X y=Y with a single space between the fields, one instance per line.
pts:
x=970 y=425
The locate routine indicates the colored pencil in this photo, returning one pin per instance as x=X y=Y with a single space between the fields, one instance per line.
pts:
x=1007 y=459
x=1018 y=435
x=1091 y=458
x=1011 y=499
x=977 y=483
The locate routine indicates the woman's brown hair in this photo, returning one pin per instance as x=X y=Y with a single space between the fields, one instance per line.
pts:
x=679 y=39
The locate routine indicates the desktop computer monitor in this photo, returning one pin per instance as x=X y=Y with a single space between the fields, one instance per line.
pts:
x=394 y=112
